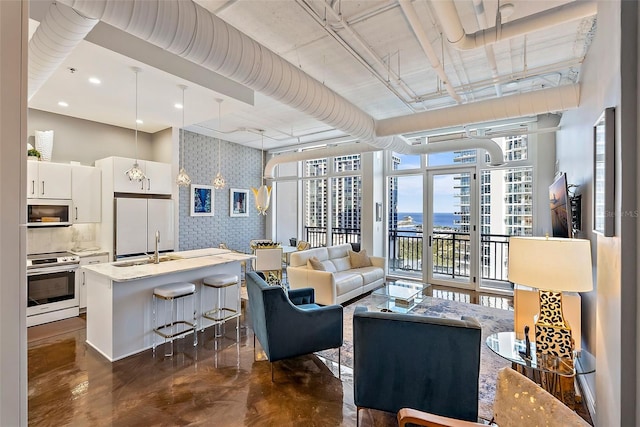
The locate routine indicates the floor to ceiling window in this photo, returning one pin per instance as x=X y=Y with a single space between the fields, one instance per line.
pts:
x=332 y=195
x=470 y=211
x=346 y=192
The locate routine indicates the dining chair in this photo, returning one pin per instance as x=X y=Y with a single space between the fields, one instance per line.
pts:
x=303 y=246
x=269 y=262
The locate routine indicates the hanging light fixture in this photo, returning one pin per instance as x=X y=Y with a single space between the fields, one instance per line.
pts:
x=218 y=181
x=135 y=173
x=263 y=193
x=183 y=179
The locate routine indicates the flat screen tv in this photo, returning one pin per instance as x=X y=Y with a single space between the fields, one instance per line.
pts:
x=560 y=207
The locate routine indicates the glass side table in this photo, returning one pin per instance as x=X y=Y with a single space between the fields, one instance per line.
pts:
x=555 y=374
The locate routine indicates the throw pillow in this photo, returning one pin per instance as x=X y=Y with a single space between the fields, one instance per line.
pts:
x=315 y=264
x=359 y=259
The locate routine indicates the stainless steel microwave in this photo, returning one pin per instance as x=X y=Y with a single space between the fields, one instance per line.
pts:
x=48 y=213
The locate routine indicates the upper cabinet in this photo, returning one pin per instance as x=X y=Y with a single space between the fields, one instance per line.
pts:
x=158 y=176
x=47 y=180
x=159 y=179
x=86 y=193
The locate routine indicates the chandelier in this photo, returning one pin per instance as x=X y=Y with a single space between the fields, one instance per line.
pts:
x=262 y=193
x=219 y=182
x=183 y=179
x=135 y=173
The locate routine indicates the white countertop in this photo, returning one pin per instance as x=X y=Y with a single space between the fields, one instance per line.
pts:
x=88 y=252
x=181 y=261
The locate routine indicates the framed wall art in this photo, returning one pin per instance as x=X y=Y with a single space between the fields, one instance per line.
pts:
x=604 y=173
x=201 y=200
x=238 y=199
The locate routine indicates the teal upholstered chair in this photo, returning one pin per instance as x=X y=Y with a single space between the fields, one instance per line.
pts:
x=407 y=361
x=291 y=325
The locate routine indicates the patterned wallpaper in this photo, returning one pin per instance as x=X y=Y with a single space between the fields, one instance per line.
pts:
x=241 y=169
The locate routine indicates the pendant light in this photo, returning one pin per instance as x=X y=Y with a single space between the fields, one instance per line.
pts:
x=219 y=182
x=183 y=179
x=135 y=173
x=263 y=193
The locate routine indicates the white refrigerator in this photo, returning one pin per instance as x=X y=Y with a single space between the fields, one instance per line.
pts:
x=136 y=223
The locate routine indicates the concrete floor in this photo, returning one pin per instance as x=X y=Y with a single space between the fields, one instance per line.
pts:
x=217 y=383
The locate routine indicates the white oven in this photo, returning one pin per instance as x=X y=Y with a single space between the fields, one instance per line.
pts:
x=52 y=292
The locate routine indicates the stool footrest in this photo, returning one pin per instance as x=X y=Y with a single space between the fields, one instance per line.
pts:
x=211 y=314
x=159 y=329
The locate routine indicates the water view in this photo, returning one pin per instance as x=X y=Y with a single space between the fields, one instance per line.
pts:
x=415 y=220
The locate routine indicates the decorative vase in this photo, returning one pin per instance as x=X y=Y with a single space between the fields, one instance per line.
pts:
x=33 y=158
x=44 y=144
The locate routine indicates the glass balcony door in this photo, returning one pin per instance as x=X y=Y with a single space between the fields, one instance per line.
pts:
x=451 y=228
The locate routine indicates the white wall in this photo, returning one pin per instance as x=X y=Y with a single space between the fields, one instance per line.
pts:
x=162 y=146
x=85 y=141
x=13 y=166
x=609 y=75
x=543 y=147
x=373 y=189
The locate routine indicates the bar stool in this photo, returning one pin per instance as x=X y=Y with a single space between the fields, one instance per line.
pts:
x=220 y=313
x=171 y=329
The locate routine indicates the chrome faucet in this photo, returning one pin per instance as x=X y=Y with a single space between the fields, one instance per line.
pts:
x=156 y=254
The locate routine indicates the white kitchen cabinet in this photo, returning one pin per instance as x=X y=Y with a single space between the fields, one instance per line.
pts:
x=81 y=279
x=159 y=179
x=46 y=180
x=158 y=176
x=86 y=194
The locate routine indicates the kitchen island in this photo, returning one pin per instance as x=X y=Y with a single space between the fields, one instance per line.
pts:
x=119 y=296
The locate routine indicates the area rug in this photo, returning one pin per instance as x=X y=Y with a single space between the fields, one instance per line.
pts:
x=492 y=320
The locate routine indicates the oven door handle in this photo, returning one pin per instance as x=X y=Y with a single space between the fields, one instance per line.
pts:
x=47 y=270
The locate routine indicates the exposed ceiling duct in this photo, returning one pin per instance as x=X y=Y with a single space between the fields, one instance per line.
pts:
x=453 y=30
x=61 y=30
x=526 y=104
x=493 y=149
x=188 y=30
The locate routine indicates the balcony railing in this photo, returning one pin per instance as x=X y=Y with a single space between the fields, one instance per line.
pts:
x=450 y=250
x=451 y=254
x=317 y=236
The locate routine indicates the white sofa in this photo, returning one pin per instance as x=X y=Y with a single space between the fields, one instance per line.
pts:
x=340 y=282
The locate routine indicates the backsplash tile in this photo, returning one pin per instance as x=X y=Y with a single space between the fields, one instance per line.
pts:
x=56 y=239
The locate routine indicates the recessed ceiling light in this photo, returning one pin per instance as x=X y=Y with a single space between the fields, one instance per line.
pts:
x=138 y=121
x=63 y=104
x=94 y=80
x=178 y=106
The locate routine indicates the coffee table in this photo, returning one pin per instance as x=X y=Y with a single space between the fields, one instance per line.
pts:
x=400 y=296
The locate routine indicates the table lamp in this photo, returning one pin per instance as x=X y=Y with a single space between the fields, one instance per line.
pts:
x=552 y=265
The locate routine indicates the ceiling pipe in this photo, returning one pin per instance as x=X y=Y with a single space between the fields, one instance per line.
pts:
x=414 y=22
x=517 y=105
x=493 y=149
x=61 y=30
x=481 y=17
x=365 y=46
x=454 y=31
x=188 y=30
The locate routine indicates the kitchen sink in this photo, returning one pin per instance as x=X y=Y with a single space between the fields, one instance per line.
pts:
x=143 y=261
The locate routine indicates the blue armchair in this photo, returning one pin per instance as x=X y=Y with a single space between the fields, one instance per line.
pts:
x=425 y=363
x=293 y=325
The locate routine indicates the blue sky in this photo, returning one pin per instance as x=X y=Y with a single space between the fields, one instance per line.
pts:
x=410 y=188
